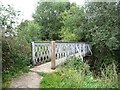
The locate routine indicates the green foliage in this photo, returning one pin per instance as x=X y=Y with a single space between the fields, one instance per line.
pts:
x=15 y=51
x=30 y=31
x=15 y=60
x=102 y=30
x=103 y=24
x=96 y=22
x=77 y=64
x=109 y=74
x=68 y=36
x=8 y=19
x=48 y=16
x=76 y=74
x=72 y=20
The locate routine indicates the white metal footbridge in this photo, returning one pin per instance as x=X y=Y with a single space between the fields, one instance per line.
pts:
x=57 y=52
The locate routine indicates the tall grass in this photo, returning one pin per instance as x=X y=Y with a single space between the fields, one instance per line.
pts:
x=76 y=74
x=109 y=76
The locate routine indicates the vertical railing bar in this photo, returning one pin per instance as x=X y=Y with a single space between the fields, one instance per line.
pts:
x=83 y=49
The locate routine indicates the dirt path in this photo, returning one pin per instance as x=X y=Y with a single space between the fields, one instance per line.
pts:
x=31 y=79
x=28 y=80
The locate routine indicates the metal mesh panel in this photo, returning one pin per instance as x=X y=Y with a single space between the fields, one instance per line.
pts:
x=41 y=53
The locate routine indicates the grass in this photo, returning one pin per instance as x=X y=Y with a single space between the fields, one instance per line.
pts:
x=76 y=74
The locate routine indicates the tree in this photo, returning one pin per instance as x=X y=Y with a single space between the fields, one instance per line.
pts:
x=8 y=20
x=73 y=20
x=29 y=30
x=102 y=30
x=96 y=22
x=47 y=15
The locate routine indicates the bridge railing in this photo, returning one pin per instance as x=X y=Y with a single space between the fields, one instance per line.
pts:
x=43 y=52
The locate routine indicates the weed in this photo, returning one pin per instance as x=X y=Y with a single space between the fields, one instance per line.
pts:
x=76 y=74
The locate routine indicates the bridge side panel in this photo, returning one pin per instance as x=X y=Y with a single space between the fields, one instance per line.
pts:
x=41 y=53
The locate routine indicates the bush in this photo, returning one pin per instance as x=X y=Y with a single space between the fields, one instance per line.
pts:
x=15 y=59
x=76 y=74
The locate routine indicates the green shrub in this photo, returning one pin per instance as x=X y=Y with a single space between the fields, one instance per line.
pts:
x=15 y=62
x=17 y=68
x=76 y=74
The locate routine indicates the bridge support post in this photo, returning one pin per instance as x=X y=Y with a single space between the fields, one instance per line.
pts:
x=33 y=53
x=53 y=56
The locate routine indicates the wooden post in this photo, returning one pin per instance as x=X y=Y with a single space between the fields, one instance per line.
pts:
x=53 y=56
x=33 y=54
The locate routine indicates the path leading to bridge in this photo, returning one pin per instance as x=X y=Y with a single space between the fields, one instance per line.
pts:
x=28 y=80
x=32 y=79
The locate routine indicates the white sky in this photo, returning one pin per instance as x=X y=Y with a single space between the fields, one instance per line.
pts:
x=27 y=7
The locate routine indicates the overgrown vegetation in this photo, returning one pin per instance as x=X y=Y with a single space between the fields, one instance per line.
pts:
x=95 y=22
x=76 y=74
x=15 y=49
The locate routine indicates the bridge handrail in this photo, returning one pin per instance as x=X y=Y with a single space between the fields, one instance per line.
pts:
x=42 y=51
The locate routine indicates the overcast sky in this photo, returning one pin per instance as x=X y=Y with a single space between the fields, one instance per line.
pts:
x=27 y=7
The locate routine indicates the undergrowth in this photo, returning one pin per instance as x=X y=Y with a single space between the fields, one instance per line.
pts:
x=17 y=69
x=76 y=74
x=7 y=77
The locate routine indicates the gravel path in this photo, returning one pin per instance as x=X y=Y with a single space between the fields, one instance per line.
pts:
x=28 y=80
x=32 y=79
